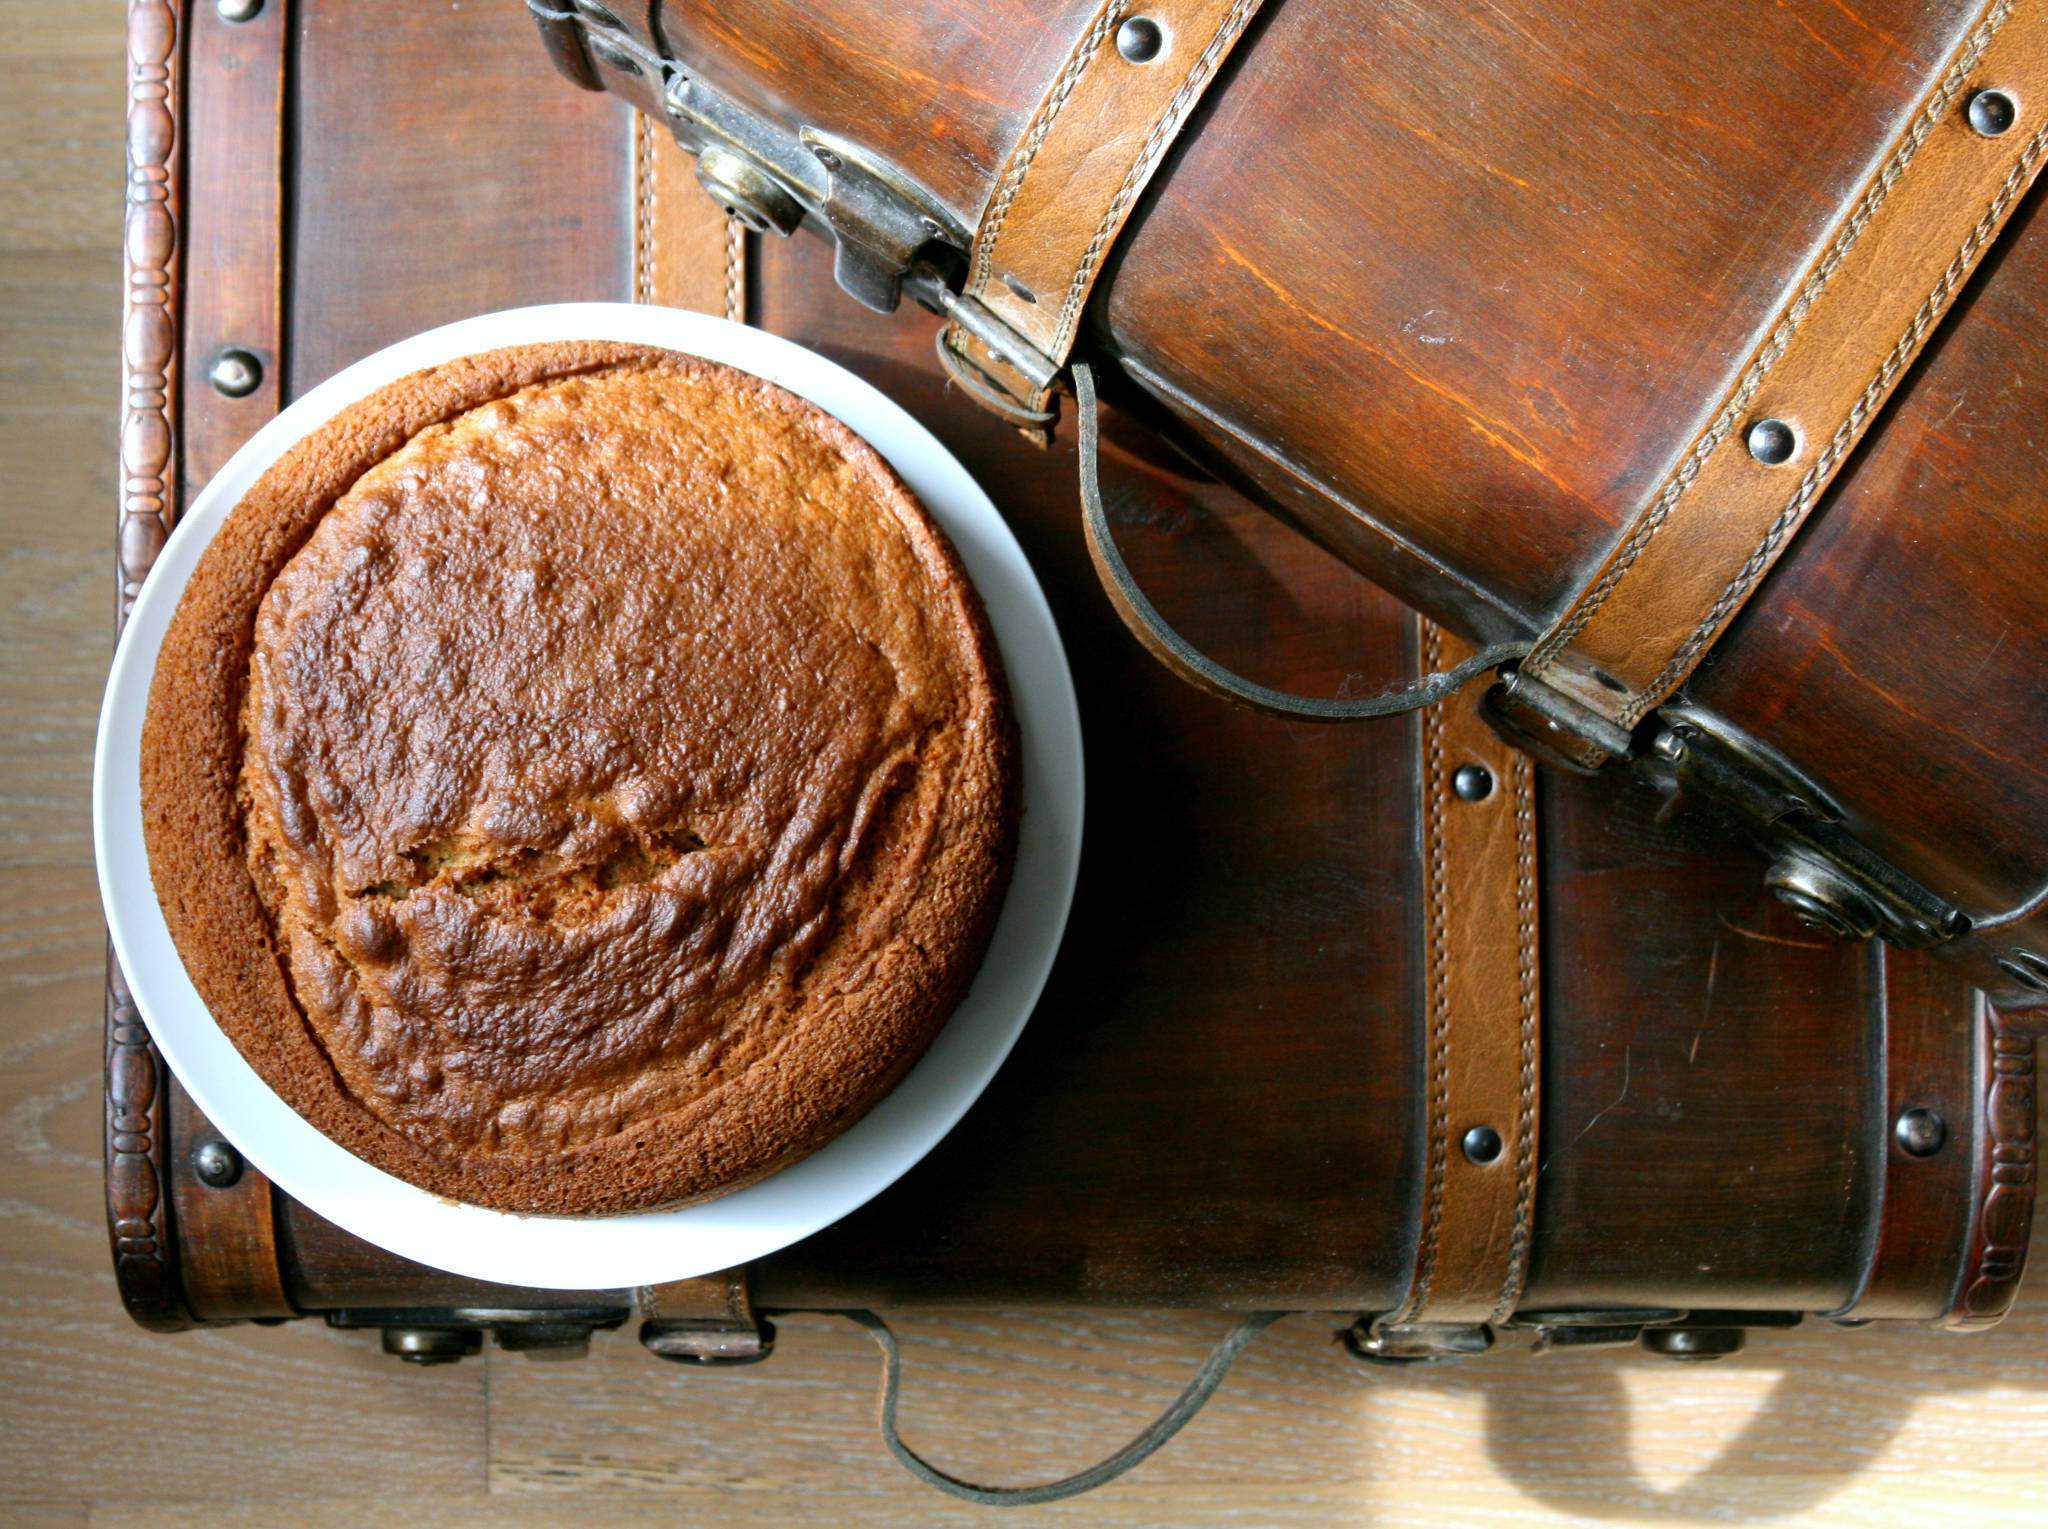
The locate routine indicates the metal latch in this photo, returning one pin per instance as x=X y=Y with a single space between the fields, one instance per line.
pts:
x=1821 y=870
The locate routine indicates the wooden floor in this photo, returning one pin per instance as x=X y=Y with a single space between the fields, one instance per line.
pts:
x=102 y=1424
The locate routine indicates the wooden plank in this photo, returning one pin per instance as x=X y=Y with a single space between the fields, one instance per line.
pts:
x=60 y=181
x=1871 y=1502
x=1020 y=1397
x=45 y=1515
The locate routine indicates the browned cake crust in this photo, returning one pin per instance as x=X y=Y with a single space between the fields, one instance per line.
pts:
x=579 y=778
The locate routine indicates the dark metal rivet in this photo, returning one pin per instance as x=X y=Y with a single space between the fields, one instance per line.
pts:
x=1821 y=897
x=1921 y=1132
x=1772 y=442
x=748 y=192
x=1693 y=1343
x=1992 y=112
x=239 y=10
x=235 y=373
x=218 y=1165
x=1140 y=39
x=2026 y=968
x=432 y=1345
x=1473 y=783
x=1482 y=1144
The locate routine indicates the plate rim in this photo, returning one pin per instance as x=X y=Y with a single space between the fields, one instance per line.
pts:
x=647 y=1247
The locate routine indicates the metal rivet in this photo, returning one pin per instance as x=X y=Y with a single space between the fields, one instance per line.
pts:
x=2025 y=968
x=1140 y=39
x=1693 y=1343
x=1473 y=783
x=1482 y=1144
x=239 y=10
x=1821 y=897
x=218 y=1165
x=432 y=1345
x=1772 y=442
x=748 y=192
x=1992 y=112
x=235 y=373
x=1921 y=1132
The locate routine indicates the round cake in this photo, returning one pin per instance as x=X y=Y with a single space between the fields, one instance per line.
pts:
x=580 y=779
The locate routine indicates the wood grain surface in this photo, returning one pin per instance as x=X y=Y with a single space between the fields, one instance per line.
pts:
x=104 y=1425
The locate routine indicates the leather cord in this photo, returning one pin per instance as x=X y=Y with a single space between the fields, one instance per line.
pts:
x=1197 y=668
x=1162 y=1428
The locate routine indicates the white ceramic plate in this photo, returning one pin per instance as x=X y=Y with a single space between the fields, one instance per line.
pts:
x=611 y=1252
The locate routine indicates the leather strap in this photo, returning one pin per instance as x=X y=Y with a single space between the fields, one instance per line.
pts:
x=235 y=162
x=687 y=251
x=229 y=1258
x=1932 y=1022
x=1196 y=668
x=1077 y=171
x=1482 y=1012
x=1847 y=333
x=720 y=1297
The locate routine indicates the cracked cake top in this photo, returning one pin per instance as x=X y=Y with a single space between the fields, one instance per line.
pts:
x=580 y=779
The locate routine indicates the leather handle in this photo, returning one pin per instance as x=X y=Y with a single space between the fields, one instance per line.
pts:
x=1162 y=1428
x=1197 y=668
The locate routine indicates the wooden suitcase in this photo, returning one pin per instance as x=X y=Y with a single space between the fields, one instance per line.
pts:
x=1235 y=1093
x=1560 y=330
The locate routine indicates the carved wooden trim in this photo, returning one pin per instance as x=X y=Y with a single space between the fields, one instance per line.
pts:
x=138 y=1200
x=149 y=308
x=138 y=1204
x=2005 y=1210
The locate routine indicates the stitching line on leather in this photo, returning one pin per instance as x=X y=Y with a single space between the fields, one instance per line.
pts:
x=1013 y=178
x=1846 y=434
x=1867 y=206
x=1438 y=923
x=1523 y=784
x=643 y=208
x=1164 y=131
x=735 y=269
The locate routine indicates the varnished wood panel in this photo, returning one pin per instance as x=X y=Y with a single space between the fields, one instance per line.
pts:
x=407 y=231
x=1557 y=242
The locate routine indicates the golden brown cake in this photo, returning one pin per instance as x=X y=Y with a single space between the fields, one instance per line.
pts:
x=579 y=778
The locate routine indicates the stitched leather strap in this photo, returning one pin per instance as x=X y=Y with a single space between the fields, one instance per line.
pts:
x=1196 y=668
x=688 y=252
x=1848 y=332
x=1078 y=169
x=1482 y=1013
